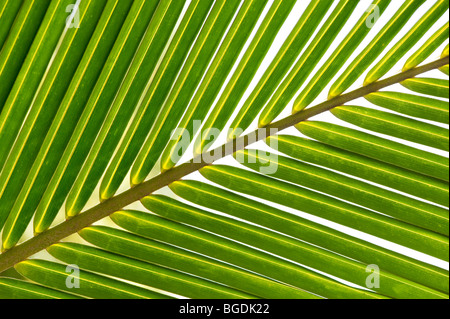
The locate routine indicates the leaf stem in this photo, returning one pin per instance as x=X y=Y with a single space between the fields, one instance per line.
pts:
x=19 y=253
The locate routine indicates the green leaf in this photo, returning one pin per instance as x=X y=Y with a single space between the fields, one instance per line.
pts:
x=45 y=106
x=8 y=13
x=340 y=56
x=18 y=42
x=325 y=215
x=308 y=60
x=154 y=98
x=33 y=68
x=154 y=227
x=430 y=86
x=18 y=289
x=427 y=48
x=284 y=246
x=65 y=121
x=256 y=212
x=90 y=285
x=143 y=65
x=394 y=125
x=154 y=276
x=444 y=69
x=214 y=79
x=127 y=244
x=407 y=42
x=280 y=65
x=413 y=105
x=364 y=167
x=389 y=203
x=94 y=113
x=184 y=88
x=378 y=148
x=244 y=73
x=374 y=49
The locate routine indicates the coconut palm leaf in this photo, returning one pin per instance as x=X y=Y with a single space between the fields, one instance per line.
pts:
x=224 y=149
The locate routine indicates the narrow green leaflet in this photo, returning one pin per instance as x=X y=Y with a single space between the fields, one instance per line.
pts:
x=8 y=13
x=18 y=289
x=293 y=225
x=152 y=251
x=94 y=113
x=407 y=42
x=184 y=88
x=364 y=167
x=46 y=104
x=444 y=69
x=340 y=56
x=19 y=40
x=214 y=79
x=374 y=49
x=394 y=125
x=309 y=59
x=144 y=63
x=237 y=254
x=154 y=98
x=413 y=105
x=65 y=121
x=31 y=73
x=428 y=48
x=244 y=73
x=378 y=148
x=403 y=208
x=285 y=246
x=429 y=86
x=99 y=261
x=81 y=282
x=280 y=65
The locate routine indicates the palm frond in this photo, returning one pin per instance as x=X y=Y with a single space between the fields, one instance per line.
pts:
x=113 y=102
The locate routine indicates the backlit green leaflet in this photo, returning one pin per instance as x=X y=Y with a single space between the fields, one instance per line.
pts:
x=254 y=211
x=281 y=64
x=379 y=148
x=339 y=57
x=281 y=245
x=428 y=86
x=94 y=112
x=183 y=89
x=45 y=104
x=407 y=42
x=224 y=149
x=154 y=98
x=215 y=77
x=374 y=49
x=87 y=284
x=409 y=104
x=143 y=65
x=65 y=121
x=309 y=59
x=8 y=13
x=304 y=280
x=154 y=276
x=444 y=69
x=427 y=48
x=243 y=74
